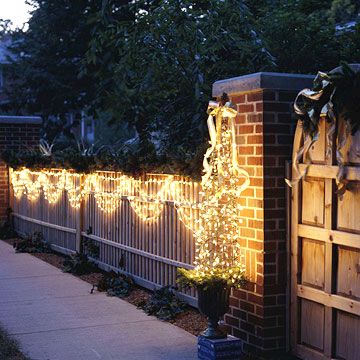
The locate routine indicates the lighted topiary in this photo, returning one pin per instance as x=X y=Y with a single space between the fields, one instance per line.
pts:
x=218 y=261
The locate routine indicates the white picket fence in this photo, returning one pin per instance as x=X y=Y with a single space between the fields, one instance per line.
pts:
x=149 y=251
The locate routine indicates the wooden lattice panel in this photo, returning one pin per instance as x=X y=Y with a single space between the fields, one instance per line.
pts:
x=325 y=256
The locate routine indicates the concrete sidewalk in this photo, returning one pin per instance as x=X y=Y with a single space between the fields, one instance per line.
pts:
x=53 y=316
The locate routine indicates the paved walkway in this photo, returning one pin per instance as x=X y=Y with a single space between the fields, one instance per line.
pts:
x=53 y=316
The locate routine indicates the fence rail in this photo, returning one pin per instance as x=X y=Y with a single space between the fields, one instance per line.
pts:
x=142 y=227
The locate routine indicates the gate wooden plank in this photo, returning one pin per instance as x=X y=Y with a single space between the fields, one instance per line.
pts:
x=348 y=335
x=312 y=324
x=313 y=263
x=334 y=301
x=328 y=287
x=326 y=235
x=294 y=250
x=330 y=171
x=313 y=203
x=348 y=210
x=348 y=274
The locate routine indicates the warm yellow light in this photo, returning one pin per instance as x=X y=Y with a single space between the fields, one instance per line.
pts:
x=109 y=191
x=217 y=237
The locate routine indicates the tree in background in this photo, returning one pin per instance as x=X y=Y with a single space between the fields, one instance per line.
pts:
x=302 y=34
x=148 y=65
x=48 y=56
x=156 y=62
x=344 y=10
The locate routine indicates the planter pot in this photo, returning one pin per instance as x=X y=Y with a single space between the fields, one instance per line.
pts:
x=213 y=301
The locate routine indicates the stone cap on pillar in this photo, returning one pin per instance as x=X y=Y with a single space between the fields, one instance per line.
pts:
x=262 y=80
x=31 y=120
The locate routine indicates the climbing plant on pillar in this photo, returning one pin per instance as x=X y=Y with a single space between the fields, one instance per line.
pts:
x=218 y=262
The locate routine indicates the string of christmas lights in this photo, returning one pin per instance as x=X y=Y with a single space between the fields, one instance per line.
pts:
x=217 y=248
x=146 y=197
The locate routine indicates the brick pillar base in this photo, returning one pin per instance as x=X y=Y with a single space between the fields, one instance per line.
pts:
x=16 y=133
x=264 y=137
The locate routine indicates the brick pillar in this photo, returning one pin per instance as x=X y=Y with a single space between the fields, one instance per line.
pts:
x=265 y=131
x=16 y=133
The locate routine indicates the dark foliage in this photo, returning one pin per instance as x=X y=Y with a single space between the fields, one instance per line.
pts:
x=149 y=65
x=33 y=243
x=6 y=229
x=116 y=284
x=91 y=248
x=33 y=159
x=128 y=162
x=164 y=304
x=302 y=35
x=346 y=98
x=79 y=264
x=45 y=72
x=149 y=76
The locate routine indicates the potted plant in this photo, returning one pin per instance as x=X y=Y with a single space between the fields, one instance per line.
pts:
x=218 y=261
x=213 y=289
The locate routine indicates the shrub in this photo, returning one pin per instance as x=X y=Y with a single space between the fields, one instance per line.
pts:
x=164 y=304
x=6 y=230
x=79 y=264
x=33 y=243
x=91 y=248
x=116 y=284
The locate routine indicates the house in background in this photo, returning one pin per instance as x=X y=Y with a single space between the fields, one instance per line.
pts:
x=83 y=128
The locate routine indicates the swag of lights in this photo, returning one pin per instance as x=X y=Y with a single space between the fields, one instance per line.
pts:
x=146 y=197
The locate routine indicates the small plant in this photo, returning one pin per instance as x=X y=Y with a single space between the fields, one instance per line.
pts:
x=92 y=248
x=79 y=264
x=6 y=230
x=164 y=304
x=33 y=243
x=116 y=284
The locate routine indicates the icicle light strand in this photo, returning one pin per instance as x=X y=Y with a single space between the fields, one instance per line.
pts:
x=146 y=197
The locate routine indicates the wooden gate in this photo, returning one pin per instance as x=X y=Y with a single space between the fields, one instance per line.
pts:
x=325 y=256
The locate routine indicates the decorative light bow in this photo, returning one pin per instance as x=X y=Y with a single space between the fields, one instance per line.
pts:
x=218 y=110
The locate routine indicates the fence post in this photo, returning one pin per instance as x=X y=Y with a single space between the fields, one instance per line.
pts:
x=264 y=138
x=16 y=133
x=79 y=218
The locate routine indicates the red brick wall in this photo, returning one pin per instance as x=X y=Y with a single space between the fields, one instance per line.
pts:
x=264 y=136
x=21 y=134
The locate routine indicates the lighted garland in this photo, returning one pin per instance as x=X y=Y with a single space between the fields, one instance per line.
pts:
x=218 y=258
x=146 y=205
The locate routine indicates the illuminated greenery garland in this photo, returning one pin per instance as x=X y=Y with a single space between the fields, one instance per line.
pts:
x=218 y=259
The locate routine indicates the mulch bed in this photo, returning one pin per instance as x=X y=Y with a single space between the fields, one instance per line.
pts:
x=191 y=320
